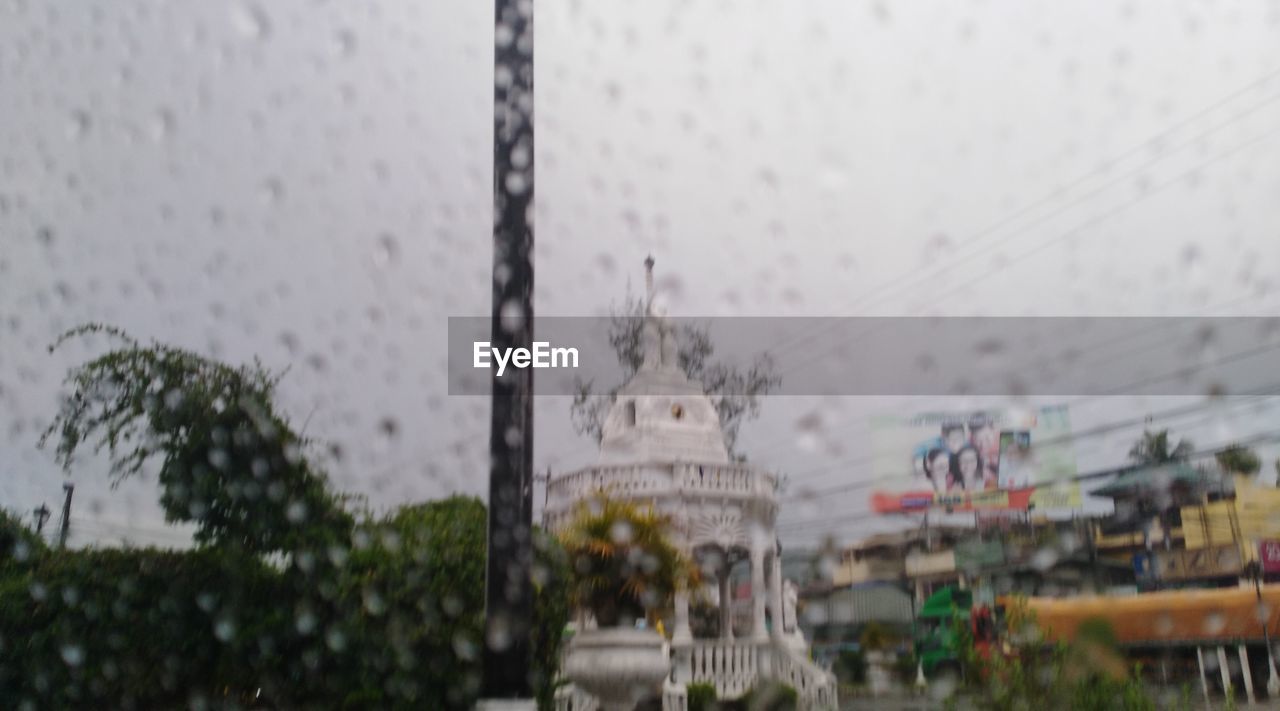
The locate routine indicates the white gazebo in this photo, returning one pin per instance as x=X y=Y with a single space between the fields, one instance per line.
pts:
x=662 y=445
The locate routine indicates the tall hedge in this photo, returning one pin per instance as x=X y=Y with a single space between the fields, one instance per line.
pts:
x=136 y=629
x=392 y=620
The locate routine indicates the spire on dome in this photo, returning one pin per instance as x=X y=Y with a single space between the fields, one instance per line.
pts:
x=648 y=285
x=660 y=350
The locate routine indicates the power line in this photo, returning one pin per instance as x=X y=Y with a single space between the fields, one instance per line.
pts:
x=1103 y=168
x=1097 y=219
x=773 y=446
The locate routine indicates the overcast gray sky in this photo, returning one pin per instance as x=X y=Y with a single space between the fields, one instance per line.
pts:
x=309 y=182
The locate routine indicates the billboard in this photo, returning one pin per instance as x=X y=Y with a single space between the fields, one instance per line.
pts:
x=993 y=460
x=1269 y=556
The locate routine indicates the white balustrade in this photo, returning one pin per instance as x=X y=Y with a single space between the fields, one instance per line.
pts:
x=732 y=667
x=815 y=687
x=656 y=480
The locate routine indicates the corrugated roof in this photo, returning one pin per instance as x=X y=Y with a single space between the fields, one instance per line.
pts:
x=1156 y=477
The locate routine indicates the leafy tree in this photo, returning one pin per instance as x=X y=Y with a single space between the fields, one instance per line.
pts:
x=1239 y=459
x=735 y=392
x=227 y=460
x=1154 y=448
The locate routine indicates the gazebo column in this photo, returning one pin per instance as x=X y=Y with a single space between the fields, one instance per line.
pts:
x=758 y=631
x=726 y=606
x=682 y=632
x=682 y=640
x=775 y=594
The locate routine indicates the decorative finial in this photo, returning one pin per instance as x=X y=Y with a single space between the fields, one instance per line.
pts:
x=648 y=279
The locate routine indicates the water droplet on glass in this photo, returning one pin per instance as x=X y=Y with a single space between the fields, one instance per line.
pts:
x=517 y=183
x=305 y=622
x=296 y=512
x=80 y=123
x=346 y=42
x=250 y=21
x=386 y=251
x=511 y=316
x=1213 y=623
x=162 y=123
x=224 y=629
x=73 y=655
x=388 y=427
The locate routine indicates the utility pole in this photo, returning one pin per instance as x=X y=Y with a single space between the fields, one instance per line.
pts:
x=42 y=514
x=546 y=492
x=508 y=586
x=66 y=514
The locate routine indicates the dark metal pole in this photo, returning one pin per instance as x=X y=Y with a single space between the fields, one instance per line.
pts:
x=508 y=588
x=42 y=515
x=66 y=514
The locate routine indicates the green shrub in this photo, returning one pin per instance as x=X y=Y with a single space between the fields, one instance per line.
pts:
x=905 y=667
x=140 y=629
x=850 y=667
x=392 y=621
x=702 y=696
x=769 y=696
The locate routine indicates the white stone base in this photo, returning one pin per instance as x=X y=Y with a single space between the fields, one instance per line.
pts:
x=506 y=705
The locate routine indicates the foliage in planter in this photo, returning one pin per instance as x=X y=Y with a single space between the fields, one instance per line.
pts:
x=622 y=561
x=701 y=696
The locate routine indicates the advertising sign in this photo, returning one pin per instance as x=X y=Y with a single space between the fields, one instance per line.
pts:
x=1212 y=562
x=1269 y=556
x=994 y=460
x=975 y=555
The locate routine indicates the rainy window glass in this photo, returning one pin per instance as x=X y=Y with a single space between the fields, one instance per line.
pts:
x=582 y=355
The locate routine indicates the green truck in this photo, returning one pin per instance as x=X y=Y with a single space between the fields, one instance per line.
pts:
x=935 y=631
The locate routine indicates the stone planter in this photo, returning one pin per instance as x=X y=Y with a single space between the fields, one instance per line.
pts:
x=879 y=672
x=620 y=666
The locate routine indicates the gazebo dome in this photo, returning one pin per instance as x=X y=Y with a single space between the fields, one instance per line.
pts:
x=662 y=415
